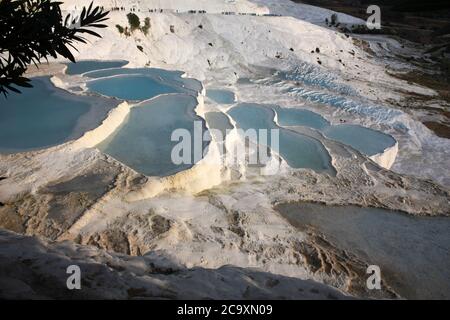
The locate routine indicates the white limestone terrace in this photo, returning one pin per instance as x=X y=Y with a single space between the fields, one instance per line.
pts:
x=148 y=277
x=209 y=217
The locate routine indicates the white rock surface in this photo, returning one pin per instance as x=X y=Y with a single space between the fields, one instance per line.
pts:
x=25 y=261
x=232 y=223
x=242 y=41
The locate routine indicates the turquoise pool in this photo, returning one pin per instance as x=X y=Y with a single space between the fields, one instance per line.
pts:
x=45 y=116
x=131 y=87
x=89 y=65
x=297 y=150
x=144 y=143
x=171 y=78
x=367 y=141
x=221 y=96
x=300 y=117
x=140 y=84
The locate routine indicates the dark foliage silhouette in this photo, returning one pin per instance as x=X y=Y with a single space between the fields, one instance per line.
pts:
x=31 y=31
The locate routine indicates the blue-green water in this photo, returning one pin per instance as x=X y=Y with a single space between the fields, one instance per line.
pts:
x=221 y=96
x=297 y=150
x=47 y=116
x=144 y=143
x=131 y=87
x=365 y=140
x=300 y=117
x=140 y=84
x=171 y=78
x=89 y=65
x=253 y=116
x=40 y=117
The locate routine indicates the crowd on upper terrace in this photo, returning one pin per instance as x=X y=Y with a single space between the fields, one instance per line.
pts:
x=228 y=13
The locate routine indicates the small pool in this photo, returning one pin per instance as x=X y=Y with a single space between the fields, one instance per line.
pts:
x=300 y=117
x=131 y=87
x=171 y=78
x=221 y=96
x=144 y=143
x=219 y=121
x=297 y=150
x=367 y=141
x=140 y=84
x=89 y=65
x=412 y=252
x=45 y=116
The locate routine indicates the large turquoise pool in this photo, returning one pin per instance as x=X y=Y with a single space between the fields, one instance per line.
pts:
x=131 y=87
x=140 y=84
x=45 y=116
x=171 y=78
x=144 y=143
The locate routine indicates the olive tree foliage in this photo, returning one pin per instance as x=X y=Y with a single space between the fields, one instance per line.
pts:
x=31 y=31
x=134 y=21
